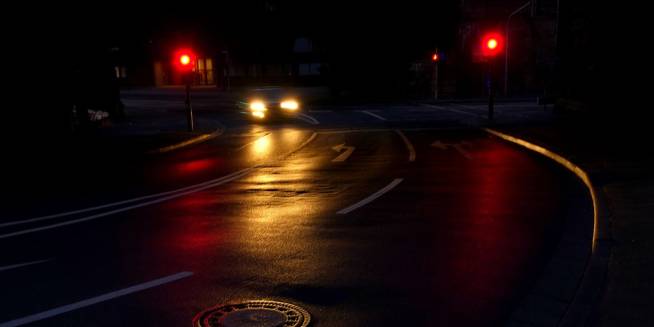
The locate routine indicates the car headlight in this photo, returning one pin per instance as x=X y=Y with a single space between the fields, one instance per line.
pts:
x=259 y=114
x=258 y=106
x=290 y=105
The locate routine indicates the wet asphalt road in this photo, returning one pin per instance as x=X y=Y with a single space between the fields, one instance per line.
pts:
x=426 y=222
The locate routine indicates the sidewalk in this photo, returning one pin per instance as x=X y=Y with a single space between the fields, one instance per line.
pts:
x=149 y=128
x=41 y=157
x=156 y=117
x=620 y=166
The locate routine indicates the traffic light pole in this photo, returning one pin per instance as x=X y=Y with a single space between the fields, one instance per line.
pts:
x=436 y=80
x=492 y=45
x=187 y=102
x=491 y=89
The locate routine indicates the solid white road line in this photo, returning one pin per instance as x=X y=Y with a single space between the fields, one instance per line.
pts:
x=227 y=179
x=343 y=131
x=519 y=105
x=308 y=119
x=482 y=108
x=409 y=146
x=267 y=88
x=300 y=147
x=372 y=114
x=372 y=197
x=166 y=196
x=454 y=110
x=24 y=264
x=250 y=143
x=95 y=300
x=374 y=130
x=195 y=140
x=114 y=204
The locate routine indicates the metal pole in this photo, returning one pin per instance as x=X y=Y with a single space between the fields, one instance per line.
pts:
x=436 y=80
x=491 y=94
x=506 y=58
x=506 y=47
x=556 y=26
x=226 y=71
x=189 y=109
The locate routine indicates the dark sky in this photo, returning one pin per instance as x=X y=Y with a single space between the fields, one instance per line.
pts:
x=337 y=26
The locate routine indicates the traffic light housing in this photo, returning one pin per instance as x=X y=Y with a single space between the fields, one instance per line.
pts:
x=492 y=44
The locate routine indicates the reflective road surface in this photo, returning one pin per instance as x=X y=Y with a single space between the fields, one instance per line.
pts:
x=405 y=219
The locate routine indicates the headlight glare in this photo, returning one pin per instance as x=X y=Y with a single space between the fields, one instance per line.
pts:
x=258 y=106
x=289 y=105
x=259 y=114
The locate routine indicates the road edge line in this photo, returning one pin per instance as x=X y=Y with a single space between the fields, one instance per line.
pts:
x=373 y=115
x=457 y=111
x=95 y=300
x=171 y=195
x=232 y=177
x=192 y=141
x=372 y=197
x=409 y=145
x=24 y=264
x=114 y=204
x=300 y=147
x=308 y=119
x=589 y=288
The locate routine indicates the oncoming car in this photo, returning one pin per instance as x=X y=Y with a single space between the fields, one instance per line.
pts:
x=261 y=108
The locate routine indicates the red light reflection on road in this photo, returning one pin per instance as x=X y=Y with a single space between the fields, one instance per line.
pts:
x=195 y=232
x=496 y=245
x=196 y=166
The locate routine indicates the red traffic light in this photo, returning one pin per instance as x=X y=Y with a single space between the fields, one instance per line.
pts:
x=184 y=60
x=492 y=44
x=435 y=57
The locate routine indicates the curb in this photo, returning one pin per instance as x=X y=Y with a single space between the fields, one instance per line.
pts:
x=570 y=288
x=191 y=141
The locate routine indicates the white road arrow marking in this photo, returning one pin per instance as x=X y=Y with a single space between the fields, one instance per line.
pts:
x=344 y=155
x=457 y=146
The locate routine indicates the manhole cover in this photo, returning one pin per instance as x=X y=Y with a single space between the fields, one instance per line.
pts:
x=254 y=314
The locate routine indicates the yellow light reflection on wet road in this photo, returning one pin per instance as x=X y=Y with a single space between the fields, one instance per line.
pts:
x=280 y=203
x=261 y=146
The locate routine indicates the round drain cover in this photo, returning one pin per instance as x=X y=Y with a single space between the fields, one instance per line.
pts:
x=254 y=314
